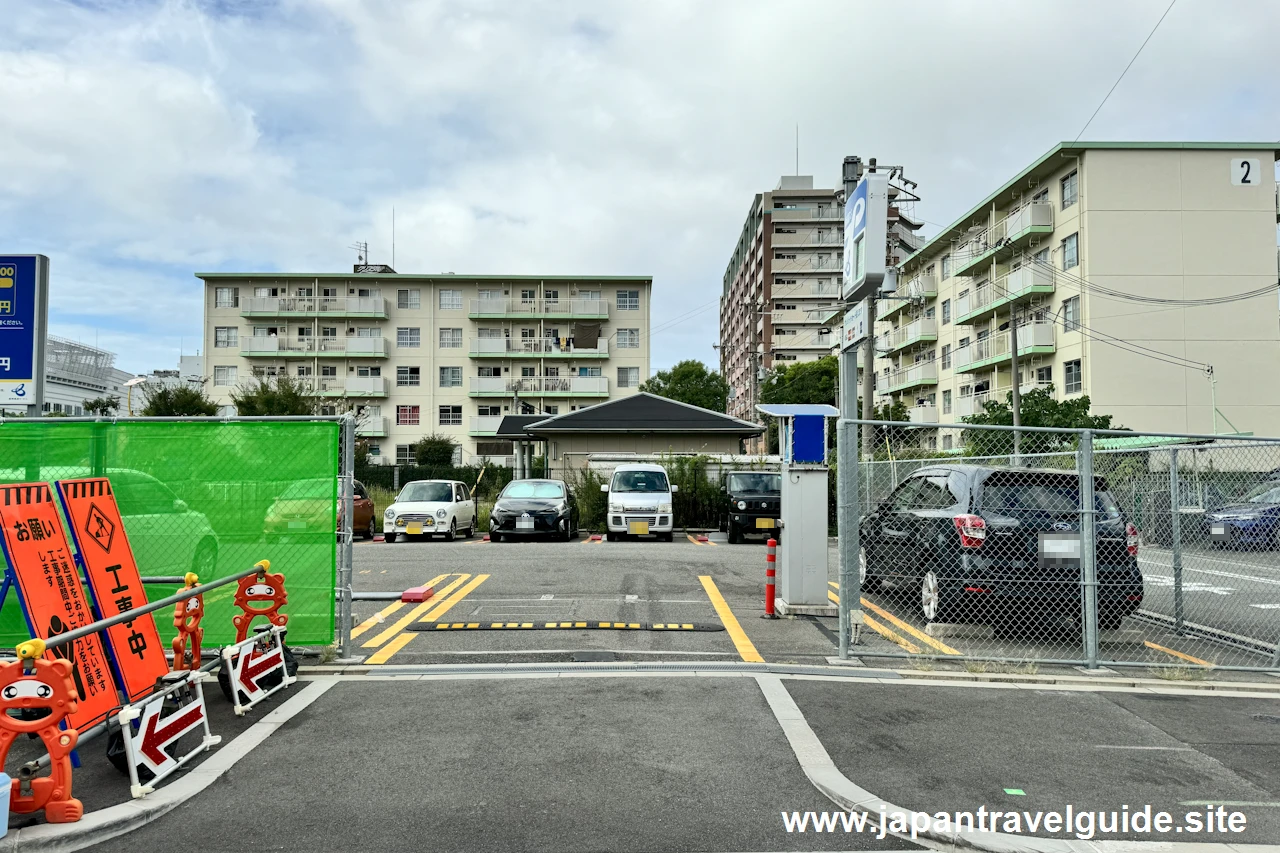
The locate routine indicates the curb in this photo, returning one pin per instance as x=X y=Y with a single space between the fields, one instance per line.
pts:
x=1091 y=680
x=104 y=824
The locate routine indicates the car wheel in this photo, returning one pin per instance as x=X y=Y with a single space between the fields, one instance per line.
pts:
x=495 y=536
x=205 y=561
x=611 y=536
x=569 y=533
x=735 y=534
x=668 y=537
x=388 y=538
x=1109 y=620
x=866 y=581
x=369 y=531
x=453 y=530
x=471 y=530
x=933 y=603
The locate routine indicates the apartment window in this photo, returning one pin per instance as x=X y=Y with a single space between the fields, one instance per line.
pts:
x=224 y=375
x=329 y=332
x=1071 y=314
x=1075 y=379
x=628 y=339
x=329 y=292
x=374 y=449
x=784 y=332
x=411 y=298
x=451 y=377
x=368 y=332
x=226 y=297
x=784 y=357
x=778 y=229
x=784 y=256
x=304 y=292
x=964 y=342
x=552 y=372
x=946 y=402
x=490 y=411
x=1044 y=375
x=226 y=336
x=628 y=377
x=780 y=307
x=1070 y=251
x=589 y=371
x=929 y=313
x=304 y=333
x=370 y=371
x=552 y=296
x=946 y=266
x=328 y=370
x=450 y=339
x=1041 y=257
x=408 y=376
x=946 y=311
x=304 y=370
x=451 y=300
x=946 y=442
x=528 y=372
x=551 y=410
x=450 y=416
x=946 y=356
x=488 y=371
x=628 y=300
x=407 y=416
x=404 y=454
x=266 y=292
x=406 y=337
x=528 y=297
x=1070 y=190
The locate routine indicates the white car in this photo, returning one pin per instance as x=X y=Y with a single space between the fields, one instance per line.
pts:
x=640 y=502
x=431 y=508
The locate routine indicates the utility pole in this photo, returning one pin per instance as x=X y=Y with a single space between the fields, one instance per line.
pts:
x=852 y=173
x=1017 y=391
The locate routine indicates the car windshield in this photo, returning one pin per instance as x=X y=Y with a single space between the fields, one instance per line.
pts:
x=747 y=483
x=639 y=481
x=1057 y=498
x=533 y=489
x=425 y=492
x=308 y=490
x=1267 y=493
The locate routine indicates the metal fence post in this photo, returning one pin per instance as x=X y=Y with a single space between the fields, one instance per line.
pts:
x=346 y=494
x=847 y=521
x=1175 y=534
x=1088 y=550
x=395 y=479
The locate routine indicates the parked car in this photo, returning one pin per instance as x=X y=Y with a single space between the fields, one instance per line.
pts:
x=755 y=504
x=640 y=502
x=976 y=541
x=534 y=508
x=431 y=508
x=1252 y=521
x=306 y=507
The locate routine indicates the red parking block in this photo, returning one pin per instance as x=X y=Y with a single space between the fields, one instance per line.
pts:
x=702 y=537
x=596 y=537
x=486 y=538
x=417 y=594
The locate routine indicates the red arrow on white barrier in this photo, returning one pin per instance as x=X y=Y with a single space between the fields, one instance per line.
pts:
x=254 y=668
x=155 y=737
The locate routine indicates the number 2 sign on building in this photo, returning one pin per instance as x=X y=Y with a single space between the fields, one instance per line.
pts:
x=24 y=309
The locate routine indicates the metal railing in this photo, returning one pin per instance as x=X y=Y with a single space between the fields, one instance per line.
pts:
x=538 y=306
x=994 y=347
x=548 y=347
x=337 y=306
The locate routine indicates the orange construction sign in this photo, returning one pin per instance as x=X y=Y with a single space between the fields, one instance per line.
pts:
x=49 y=583
x=113 y=577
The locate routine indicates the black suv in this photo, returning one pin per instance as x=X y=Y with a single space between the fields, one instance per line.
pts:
x=755 y=504
x=974 y=541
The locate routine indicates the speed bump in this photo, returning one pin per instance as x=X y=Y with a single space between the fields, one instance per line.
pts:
x=573 y=626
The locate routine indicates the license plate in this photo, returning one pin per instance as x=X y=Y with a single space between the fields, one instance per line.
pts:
x=297 y=525
x=764 y=524
x=524 y=524
x=413 y=529
x=1059 y=549
x=1218 y=530
x=638 y=528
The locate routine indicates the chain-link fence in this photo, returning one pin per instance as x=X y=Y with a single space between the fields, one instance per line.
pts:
x=211 y=496
x=1094 y=548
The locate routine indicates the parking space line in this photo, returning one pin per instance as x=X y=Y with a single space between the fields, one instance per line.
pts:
x=384 y=654
x=890 y=635
x=1177 y=654
x=446 y=605
x=382 y=614
x=915 y=632
x=689 y=536
x=399 y=624
x=741 y=642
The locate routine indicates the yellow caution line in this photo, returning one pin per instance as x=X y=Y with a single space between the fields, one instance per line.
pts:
x=890 y=635
x=447 y=604
x=399 y=624
x=689 y=536
x=746 y=650
x=932 y=642
x=387 y=611
x=1178 y=654
x=384 y=653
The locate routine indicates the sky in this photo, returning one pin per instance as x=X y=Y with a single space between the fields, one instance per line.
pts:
x=144 y=141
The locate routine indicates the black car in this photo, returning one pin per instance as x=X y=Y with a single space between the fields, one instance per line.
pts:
x=970 y=542
x=755 y=504
x=534 y=508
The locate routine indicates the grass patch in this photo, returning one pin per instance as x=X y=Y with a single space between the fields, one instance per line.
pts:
x=1180 y=673
x=1004 y=667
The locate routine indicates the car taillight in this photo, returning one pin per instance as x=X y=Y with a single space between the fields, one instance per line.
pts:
x=972 y=529
x=1131 y=539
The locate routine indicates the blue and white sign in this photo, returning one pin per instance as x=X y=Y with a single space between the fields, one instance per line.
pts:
x=855 y=325
x=24 y=304
x=866 y=234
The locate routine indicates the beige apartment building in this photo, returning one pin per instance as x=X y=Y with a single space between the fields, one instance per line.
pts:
x=415 y=355
x=1063 y=249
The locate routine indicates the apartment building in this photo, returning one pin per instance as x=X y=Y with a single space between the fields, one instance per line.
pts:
x=1093 y=251
x=415 y=355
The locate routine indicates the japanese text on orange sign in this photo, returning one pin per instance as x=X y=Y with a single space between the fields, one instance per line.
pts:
x=113 y=576
x=38 y=553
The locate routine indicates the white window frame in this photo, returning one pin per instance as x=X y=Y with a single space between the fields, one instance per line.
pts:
x=409 y=298
x=226 y=336
x=450 y=299
x=409 y=337
x=446 y=415
x=451 y=338
x=628 y=339
x=626 y=302
x=224 y=375
x=450 y=376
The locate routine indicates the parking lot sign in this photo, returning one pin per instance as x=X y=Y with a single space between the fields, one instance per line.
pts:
x=866 y=232
x=24 y=306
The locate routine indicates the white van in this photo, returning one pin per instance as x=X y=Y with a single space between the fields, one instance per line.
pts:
x=640 y=502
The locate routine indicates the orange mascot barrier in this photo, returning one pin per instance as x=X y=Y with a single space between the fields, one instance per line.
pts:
x=265 y=587
x=186 y=618
x=38 y=684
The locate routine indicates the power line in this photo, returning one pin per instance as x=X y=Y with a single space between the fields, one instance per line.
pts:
x=1157 y=300
x=1124 y=72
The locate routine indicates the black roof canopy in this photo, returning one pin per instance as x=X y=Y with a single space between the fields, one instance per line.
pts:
x=512 y=426
x=643 y=413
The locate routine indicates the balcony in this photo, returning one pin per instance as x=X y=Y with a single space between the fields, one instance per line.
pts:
x=1004 y=238
x=1033 y=339
x=540 y=386
x=805 y=263
x=827 y=238
x=806 y=341
x=371 y=427
x=273 y=346
x=915 y=332
x=923 y=414
x=789 y=318
x=915 y=376
x=1023 y=282
x=967 y=407
x=313 y=306
x=485 y=425
x=917 y=291
x=806 y=290
x=356 y=386
x=560 y=309
x=534 y=348
x=791 y=214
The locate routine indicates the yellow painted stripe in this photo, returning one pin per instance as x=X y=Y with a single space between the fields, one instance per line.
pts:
x=383 y=654
x=451 y=601
x=709 y=542
x=932 y=642
x=689 y=536
x=376 y=620
x=400 y=624
x=890 y=635
x=526 y=624
x=1178 y=654
x=746 y=650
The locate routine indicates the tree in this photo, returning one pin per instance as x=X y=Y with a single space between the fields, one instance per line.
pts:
x=1039 y=409
x=278 y=395
x=103 y=406
x=803 y=382
x=164 y=401
x=435 y=451
x=690 y=382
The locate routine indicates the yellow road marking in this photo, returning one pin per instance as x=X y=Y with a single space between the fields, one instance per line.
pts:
x=689 y=536
x=903 y=626
x=1178 y=654
x=746 y=650
x=448 y=604
x=709 y=542
x=890 y=635
x=384 y=653
x=388 y=610
x=399 y=624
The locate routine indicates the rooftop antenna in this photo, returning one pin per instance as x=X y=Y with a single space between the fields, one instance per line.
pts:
x=393 y=235
x=362 y=251
x=797 y=149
